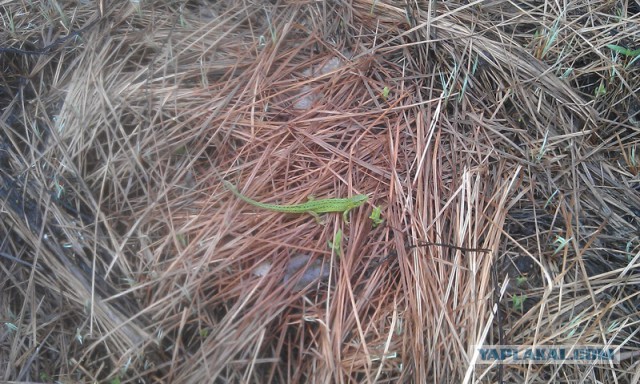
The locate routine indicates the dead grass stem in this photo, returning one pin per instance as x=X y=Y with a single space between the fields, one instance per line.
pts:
x=508 y=130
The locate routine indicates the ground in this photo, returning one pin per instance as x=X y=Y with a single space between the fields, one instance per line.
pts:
x=498 y=140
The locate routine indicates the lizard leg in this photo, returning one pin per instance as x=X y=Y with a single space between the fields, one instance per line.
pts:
x=345 y=216
x=317 y=217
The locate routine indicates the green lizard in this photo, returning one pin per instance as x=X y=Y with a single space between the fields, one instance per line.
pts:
x=312 y=207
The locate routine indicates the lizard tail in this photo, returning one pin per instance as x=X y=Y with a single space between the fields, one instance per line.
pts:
x=239 y=195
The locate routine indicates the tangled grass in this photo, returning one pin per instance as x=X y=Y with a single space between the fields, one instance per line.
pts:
x=500 y=139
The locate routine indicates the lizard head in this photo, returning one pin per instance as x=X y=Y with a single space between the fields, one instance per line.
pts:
x=358 y=200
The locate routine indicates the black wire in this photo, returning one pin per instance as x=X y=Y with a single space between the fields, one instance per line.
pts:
x=16 y=260
x=48 y=48
x=426 y=244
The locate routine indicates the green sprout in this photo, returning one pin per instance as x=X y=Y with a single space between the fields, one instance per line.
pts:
x=385 y=92
x=566 y=73
x=373 y=6
x=543 y=148
x=613 y=326
x=561 y=243
x=182 y=239
x=624 y=51
x=550 y=199
x=376 y=216
x=59 y=188
x=336 y=244
x=634 y=161
x=601 y=90
x=10 y=21
x=573 y=326
x=63 y=16
x=272 y=29
x=518 y=302
x=628 y=249
x=555 y=30
x=183 y=21
x=520 y=280
x=10 y=326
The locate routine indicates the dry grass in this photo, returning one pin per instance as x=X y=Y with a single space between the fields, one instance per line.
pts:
x=503 y=126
